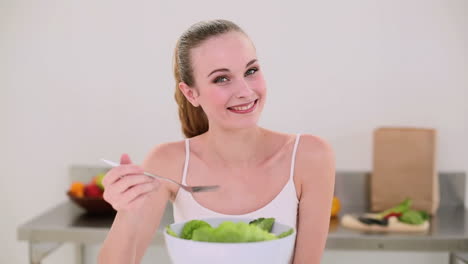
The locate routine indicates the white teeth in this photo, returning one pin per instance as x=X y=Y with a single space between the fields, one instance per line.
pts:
x=243 y=108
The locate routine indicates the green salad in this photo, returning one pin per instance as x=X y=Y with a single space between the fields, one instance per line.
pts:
x=229 y=232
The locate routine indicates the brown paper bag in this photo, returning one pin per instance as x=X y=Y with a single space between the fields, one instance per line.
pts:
x=404 y=166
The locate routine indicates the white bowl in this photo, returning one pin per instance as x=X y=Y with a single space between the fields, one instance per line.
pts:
x=278 y=251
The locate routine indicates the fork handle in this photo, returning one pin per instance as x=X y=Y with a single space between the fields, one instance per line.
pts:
x=160 y=177
x=115 y=164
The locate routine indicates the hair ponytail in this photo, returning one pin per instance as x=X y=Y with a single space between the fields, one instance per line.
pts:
x=193 y=119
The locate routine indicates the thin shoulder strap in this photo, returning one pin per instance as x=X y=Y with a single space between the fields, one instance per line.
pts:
x=187 y=157
x=293 y=160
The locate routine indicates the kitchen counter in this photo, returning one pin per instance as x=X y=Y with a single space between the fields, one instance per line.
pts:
x=67 y=223
x=448 y=232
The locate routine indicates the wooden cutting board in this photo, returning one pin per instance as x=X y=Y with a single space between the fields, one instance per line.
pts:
x=394 y=225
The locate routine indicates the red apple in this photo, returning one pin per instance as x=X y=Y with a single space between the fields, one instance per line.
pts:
x=92 y=190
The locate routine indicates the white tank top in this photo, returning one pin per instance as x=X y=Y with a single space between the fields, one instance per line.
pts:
x=283 y=207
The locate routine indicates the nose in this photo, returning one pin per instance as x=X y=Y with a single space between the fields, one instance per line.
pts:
x=244 y=90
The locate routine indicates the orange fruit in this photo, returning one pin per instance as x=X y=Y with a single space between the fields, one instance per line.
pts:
x=336 y=206
x=77 y=189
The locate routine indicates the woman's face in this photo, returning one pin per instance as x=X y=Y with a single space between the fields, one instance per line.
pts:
x=229 y=84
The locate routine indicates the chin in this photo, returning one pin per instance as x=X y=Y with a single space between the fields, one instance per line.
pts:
x=244 y=124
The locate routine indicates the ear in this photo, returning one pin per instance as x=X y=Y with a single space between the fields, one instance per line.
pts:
x=190 y=93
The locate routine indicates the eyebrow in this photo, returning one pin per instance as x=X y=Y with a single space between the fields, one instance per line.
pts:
x=226 y=70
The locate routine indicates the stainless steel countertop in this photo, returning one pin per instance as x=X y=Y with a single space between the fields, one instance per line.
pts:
x=68 y=223
x=448 y=232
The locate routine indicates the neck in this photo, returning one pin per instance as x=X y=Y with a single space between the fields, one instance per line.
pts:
x=239 y=148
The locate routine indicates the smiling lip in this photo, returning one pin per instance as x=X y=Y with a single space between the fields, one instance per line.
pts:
x=244 y=108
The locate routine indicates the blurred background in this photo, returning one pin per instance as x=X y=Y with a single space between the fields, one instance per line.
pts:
x=82 y=80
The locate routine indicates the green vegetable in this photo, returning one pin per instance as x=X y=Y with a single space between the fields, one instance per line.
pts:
x=408 y=215
x=286 y=233
x=230 y=232
x=204 y=233
x=401 y=208
x=170 y=231
x=414 y=217
x=424 y=215
x=190 y=227
x=264 y=223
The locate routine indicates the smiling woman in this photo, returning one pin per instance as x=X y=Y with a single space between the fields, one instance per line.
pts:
x=221 y=92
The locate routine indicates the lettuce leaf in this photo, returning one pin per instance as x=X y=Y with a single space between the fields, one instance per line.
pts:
x=191 y=226
x=264 y=223
x=170 y=231
x=413 y=217
x=286 y=233
x=230 y=232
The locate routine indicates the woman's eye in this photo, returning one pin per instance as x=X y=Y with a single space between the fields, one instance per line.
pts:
x=251 y=71
x=220 y=79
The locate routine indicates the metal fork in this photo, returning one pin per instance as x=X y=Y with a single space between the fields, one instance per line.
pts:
x=192 y=189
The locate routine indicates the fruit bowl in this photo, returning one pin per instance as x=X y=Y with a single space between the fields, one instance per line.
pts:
x=88 y=195
x=278 y=251
x=92 y=205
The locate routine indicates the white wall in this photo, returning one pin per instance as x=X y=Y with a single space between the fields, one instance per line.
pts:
x=81 y=80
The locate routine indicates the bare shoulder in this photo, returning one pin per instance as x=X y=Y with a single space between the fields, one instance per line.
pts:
x=165 y=151
x=312 y=147
x=315 y=161
x=166 y=160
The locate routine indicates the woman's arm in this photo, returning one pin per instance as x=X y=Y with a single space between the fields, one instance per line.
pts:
x=315 y=169
x=132 y=231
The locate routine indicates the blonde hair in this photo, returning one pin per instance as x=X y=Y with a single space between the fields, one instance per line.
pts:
x=193 y=119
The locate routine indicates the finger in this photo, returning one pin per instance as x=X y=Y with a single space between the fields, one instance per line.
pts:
x=138 y=201
x=125 y=159
x=122 y=202
x=116 y=173
x=139 y=189
x=131 y=181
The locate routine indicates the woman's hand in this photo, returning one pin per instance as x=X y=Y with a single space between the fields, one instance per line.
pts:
x=126 y=187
